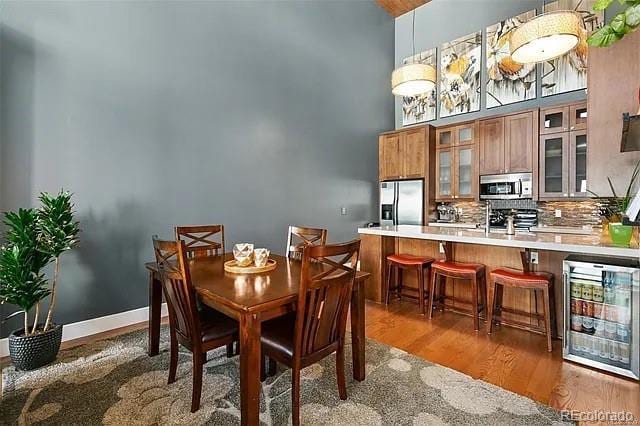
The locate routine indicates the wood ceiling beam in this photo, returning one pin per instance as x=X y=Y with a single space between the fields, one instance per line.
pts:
x=396 y=8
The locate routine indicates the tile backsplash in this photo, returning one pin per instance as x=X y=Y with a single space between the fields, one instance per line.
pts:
x=573 y=213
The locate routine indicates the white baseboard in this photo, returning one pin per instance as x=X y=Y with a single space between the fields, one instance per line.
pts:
x=96 y=325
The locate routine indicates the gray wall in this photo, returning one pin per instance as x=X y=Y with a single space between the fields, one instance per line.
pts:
x=440 y=21
x=252 y=114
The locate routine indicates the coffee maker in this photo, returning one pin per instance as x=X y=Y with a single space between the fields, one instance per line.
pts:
x=447 y=213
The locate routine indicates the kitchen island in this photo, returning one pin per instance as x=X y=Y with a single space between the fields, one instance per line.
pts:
x=494 y=250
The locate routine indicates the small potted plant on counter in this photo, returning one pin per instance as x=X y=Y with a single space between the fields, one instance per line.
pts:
x=34 y=239
x=615 y=208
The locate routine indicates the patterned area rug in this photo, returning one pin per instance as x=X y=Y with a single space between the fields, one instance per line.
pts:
x=114 y=382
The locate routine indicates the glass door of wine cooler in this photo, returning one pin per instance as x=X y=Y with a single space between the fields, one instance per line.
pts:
x=601 y=320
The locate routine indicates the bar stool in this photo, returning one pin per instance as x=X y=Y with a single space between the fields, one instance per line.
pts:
x=535 y=281
x=474 y=272
x=400 y=262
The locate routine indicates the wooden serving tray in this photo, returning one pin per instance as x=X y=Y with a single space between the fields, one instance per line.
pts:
x=232 y=266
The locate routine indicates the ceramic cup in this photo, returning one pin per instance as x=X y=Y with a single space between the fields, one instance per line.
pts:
x=261 y=257
x=243 y=254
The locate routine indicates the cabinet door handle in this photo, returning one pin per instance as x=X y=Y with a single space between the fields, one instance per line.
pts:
x=572 y=194
x=564 y=195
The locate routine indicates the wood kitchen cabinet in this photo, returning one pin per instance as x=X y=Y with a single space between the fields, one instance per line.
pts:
x=456 y=175
x=563 y=154
x=491 y=160
x=403 y=155
x=507 y=144
x=563 y=165
x=459 y=134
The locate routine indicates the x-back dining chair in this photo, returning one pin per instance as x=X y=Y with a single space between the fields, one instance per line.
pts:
x=300 y=237
x=197 y=330
x=202 y=240
x=317 y=328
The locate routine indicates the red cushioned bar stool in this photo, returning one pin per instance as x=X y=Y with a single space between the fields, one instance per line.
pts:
x=534 y=281
x=473 y=272
x=400 y=262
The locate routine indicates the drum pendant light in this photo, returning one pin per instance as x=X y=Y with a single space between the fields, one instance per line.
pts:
x=546 y=36
x=414 y=78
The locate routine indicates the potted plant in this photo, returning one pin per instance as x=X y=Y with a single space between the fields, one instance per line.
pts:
x=34 y=239
x=620 y=25
x=613 y=211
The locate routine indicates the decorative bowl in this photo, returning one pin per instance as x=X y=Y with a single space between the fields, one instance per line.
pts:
x=243 y=254
x=260 y=257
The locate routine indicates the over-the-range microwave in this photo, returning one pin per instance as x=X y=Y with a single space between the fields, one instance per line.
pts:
x=511 y=186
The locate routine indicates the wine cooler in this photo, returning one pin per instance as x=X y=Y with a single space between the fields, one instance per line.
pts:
x=601 y=313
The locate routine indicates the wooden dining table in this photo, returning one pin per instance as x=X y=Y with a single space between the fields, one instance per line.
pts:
x=251 y=299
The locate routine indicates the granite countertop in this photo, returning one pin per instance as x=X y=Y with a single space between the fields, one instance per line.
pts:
x=582 y=244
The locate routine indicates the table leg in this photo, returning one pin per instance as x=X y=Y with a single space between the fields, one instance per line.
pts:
x=358 y=337
x=249 y=369
x=155 y=306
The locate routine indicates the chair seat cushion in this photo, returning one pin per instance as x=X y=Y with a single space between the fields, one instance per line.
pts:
x=215 y=325
x=457 y=267
x=407 y=259
x=516 y=276
x=277 y=334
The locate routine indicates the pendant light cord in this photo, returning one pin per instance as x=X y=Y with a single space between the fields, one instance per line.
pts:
x=413 y=36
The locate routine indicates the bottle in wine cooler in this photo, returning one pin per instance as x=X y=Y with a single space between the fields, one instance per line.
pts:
x=598 y=326
x=603 y=349
x=614 y=351
x=622 y=333
x=625 y=353
x=610 y=330
x=609 y=288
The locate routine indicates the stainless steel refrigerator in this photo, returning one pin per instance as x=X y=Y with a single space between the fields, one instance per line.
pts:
x=401 y=202
x=601 y=317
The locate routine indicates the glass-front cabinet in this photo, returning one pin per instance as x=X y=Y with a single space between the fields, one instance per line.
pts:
x=563 y=154
x=554 y=120
x=554 y=165
x=455 y=173
x=464 y=172
x=444 y=174
x=578 y=164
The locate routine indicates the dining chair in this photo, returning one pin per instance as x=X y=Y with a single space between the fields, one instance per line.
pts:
x=200 y=240
x=317 y=328
x=198 y=330
x=300 y=237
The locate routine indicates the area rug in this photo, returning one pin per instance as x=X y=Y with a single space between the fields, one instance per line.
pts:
x=114 y=382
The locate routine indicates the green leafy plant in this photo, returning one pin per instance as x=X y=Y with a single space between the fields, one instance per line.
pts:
x=58 y=233
x=618 y=204
x=619 y=26
x=35 y=238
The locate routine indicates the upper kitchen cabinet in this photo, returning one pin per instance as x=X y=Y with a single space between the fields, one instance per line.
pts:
x=403 y=154
x=578 y=116
x=563 y=157
x=491 y=160
x=507 y=144
x=554 y=120
x=459 y=134
x=389 y=160
x=456 y=174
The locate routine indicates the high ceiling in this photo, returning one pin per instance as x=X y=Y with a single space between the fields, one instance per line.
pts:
x=396 y=8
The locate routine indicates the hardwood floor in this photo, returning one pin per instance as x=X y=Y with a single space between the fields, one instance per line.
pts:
x=512 y=359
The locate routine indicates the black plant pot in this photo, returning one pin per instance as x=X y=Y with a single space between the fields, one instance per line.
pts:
x=31 y=352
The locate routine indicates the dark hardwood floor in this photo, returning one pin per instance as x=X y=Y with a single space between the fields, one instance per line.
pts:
x=512 y=359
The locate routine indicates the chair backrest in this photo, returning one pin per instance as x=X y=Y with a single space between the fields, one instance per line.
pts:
x=300 y=237
x=177 y=287
x=327 y=277
x=201 y=241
